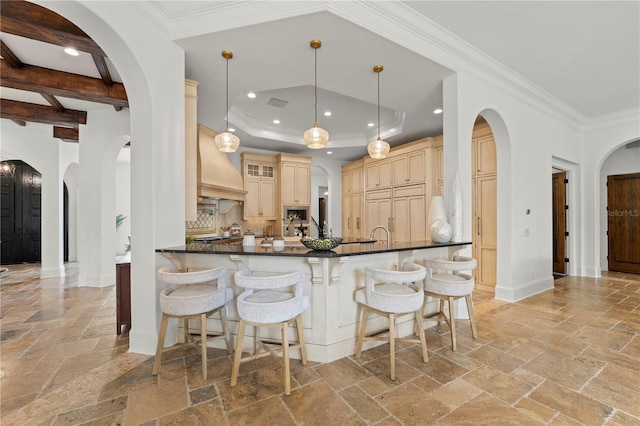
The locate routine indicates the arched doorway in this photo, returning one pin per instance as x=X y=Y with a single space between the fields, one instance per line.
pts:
x=21 y=202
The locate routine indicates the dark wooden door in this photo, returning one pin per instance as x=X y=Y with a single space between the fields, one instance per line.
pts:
x=623 y=224
x=21 y=196
x=559 y=222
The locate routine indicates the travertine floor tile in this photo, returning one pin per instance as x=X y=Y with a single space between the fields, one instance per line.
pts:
x=567 y=356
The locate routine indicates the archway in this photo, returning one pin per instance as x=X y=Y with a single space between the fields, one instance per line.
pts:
x=504 y=286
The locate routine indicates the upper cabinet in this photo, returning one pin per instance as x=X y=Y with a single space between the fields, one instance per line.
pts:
x=353 y=177
x=295 y=179
x=484 y=151
x=259 y=173
x=410 y=168
x=377 y=174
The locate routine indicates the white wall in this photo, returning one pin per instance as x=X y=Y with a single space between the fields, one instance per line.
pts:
x=622 y=161
x=601 y=138
x=123 y=198
x=35 y=145
x=152 y=70
x=526 y=140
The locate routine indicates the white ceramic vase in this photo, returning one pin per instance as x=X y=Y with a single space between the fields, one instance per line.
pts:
x=440 y=231
x=437 y=211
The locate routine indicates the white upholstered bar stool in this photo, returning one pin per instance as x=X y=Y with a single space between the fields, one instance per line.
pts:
x=193 y=295
x=270 y=301
x=446 y=282
x=392 y=294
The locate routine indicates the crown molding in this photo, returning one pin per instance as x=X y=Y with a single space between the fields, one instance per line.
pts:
x=393 y=20
x=628 y=117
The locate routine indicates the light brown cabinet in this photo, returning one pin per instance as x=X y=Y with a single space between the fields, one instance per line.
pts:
x=377 y=175
x=259 y=173
x=295 y=180
x=352 y=220
x=409 y=221
x=439 y=188
x=485 y=202
x=378 y=212
x=398 y=190
x=409 y=169
x=353 y=177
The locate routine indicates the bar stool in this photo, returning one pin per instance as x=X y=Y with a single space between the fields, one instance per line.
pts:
x=192 y=295
x=392 y=294
x=449 y=285
x=264 y=304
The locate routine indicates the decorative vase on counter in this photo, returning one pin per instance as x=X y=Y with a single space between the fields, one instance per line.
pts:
x=437 y=211
x=440 y=231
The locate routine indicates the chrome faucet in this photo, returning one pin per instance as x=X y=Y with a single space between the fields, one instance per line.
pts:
x=373 y=231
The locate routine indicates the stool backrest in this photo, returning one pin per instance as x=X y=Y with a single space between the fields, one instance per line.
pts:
x=456 y=265
x=410 y=273
x=170 y=275
x=245 y=278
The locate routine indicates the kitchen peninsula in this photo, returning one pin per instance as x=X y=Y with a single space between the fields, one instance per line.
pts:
x=331 y=279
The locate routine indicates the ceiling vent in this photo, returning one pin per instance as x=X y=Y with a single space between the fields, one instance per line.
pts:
x=277 y=102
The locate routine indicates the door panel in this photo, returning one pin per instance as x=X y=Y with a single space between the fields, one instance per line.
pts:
x=559 y=222
x=487 y=229
x=623 y=221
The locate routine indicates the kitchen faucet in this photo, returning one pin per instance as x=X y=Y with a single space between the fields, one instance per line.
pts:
x=373 y=231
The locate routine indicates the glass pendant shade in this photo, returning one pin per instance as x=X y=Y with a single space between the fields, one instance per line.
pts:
x=227 y=142
x=378 y=148
x=316 y=137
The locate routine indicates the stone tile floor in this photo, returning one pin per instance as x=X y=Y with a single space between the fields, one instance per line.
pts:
x=567 y=356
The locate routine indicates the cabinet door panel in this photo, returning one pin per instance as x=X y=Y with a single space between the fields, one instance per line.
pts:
x=268 y=200
x=400 y=167
x=416 y=166
x=400 y=223
x=384 y=174
x=302 y=183
x=486 y=162
x=417 y=218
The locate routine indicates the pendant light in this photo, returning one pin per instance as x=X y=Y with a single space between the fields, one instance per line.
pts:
x=316 y=137
x=378 y=148
x=227 y=141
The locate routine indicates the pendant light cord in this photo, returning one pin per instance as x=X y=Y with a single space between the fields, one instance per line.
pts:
x=227 y=102
x=315 y=82
x=378 y=105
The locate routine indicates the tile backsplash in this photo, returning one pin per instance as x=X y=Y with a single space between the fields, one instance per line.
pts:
x=209 y=220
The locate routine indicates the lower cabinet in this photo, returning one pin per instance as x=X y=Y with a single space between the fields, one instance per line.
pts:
x=352 y=221
x=378 y=212
x=409 y=221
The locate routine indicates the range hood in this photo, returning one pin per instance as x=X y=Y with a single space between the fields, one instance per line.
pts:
x=217 y=177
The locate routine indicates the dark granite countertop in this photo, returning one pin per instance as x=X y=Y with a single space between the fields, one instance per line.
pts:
x=301 y=251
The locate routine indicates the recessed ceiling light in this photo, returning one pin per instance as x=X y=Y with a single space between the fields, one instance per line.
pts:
x=231 y=129
x=371 y=124
x=251 y=95
x=71 y=51
x=437 y=111
x=327 y=113
x=329 y=152
x=276 y=121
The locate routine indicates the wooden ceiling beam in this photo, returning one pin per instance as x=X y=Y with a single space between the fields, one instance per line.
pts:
x=67 y=134
x=20 y=123
x=9 y=56
x=32 y=21
x=34 y=113
x=59 y=83
x=53 y=101
x=101 y=65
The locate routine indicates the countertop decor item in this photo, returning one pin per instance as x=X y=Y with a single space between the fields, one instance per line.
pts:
x=321 y=244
